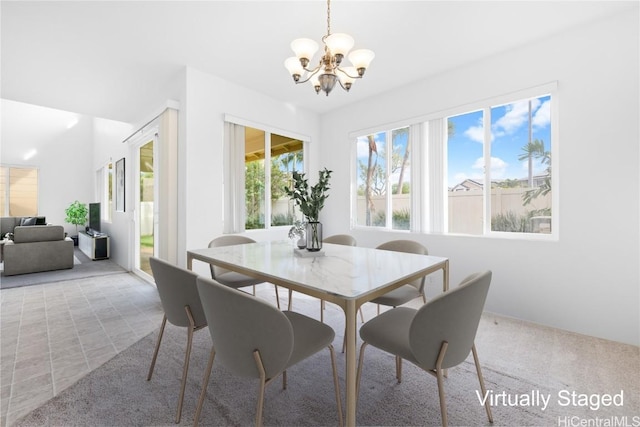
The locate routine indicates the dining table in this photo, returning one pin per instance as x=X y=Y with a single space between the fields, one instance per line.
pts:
x=347 y=276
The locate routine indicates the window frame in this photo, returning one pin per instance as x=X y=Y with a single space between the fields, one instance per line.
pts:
x=268 y=130
x=429 y=208
x=413 y=202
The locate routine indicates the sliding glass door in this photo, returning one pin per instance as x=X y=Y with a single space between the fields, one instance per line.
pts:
x=145 y=211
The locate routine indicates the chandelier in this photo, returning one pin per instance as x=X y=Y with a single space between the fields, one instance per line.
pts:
x=330 y=68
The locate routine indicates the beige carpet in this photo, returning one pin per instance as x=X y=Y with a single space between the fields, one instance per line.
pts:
x=117 y=394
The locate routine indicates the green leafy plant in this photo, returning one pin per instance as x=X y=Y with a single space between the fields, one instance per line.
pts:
x=310 y=200
x=76 y=214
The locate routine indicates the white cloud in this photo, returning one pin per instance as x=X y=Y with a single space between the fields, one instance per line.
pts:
x=542 y=116
x=475 y=133
x=517 y=114
x=498 y=167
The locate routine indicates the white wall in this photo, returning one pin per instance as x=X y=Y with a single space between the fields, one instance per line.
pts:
x=108 y=136
x=206 y=100
x=588 y=281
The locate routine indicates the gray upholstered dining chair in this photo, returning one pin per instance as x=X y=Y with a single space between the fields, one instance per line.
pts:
x=411 y=290
x=336 y=239
x=438 y=336
x=181 y=303
x=231 y=278
x=252 y=338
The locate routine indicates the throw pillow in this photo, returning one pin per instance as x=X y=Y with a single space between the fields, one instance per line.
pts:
x=28 y=221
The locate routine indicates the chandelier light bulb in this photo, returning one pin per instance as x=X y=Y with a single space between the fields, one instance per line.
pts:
x=295 y=67
x=339 y=44
x=304 y=49
x=361 y=59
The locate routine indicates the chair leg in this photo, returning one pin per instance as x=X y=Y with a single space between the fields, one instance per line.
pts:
x=263 y=383
x=185 y=369
x=359 y=371
x=290 y=300
x=481 y=379
x=336 y=383
x=399 y=369
x=440 y=378
x=277 y=297
x=205 y=383
x=322 y=304
x=155 y=353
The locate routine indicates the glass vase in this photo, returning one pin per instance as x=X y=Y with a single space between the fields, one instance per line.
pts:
x=314 y=236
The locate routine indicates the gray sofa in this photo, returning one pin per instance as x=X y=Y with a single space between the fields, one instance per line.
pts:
x=8 y=223
x=37 y=248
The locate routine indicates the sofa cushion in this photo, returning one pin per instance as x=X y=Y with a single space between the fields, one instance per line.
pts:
x=38 y=233
x=8 y=223
x=26 y=221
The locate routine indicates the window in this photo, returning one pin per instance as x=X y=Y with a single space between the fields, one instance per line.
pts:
x=518 y=150
x=104 y=186
x=483 y=169
x=264 y=186
x=19 y=189
x=383 y=165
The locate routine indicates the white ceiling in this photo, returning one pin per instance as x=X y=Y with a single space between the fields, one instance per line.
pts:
x=118 y=59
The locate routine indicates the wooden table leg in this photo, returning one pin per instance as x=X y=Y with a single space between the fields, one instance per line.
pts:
x=351 y=318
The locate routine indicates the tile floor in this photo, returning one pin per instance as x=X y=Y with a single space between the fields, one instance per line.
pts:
x=52 y=335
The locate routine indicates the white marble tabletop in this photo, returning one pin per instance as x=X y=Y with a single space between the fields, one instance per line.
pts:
x=345 y=271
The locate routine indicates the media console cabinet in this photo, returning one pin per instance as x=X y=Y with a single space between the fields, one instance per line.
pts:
x=95 y=247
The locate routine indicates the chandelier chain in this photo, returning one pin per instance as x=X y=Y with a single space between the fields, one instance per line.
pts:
x=328 y=18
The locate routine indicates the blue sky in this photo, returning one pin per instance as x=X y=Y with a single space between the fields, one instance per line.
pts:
x=509 y=133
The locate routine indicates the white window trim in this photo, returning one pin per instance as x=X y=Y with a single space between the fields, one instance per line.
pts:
x=428 y=213
x=268 y=130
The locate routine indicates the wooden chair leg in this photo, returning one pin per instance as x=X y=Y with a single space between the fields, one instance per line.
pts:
x=263 y=383
x=155 y=353
x=359 y=371
x=185 y=369
x=205 y=383
x=277 y=297
x=481 y=379
x=336 y=384
x=440 y=378
x=399 y=369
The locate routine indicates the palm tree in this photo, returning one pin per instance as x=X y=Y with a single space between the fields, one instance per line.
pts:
x=368 y=187
x=533 y=150
x=405 y=160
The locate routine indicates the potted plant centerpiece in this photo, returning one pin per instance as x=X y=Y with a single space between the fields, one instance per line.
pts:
x=310 y=200
x=77 y=215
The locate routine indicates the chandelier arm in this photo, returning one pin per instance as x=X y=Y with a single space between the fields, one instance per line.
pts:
x=347 y=74
x=342 y=86
x=313 y=73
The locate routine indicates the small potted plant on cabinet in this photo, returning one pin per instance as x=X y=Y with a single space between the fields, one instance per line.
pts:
x=77 y=215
